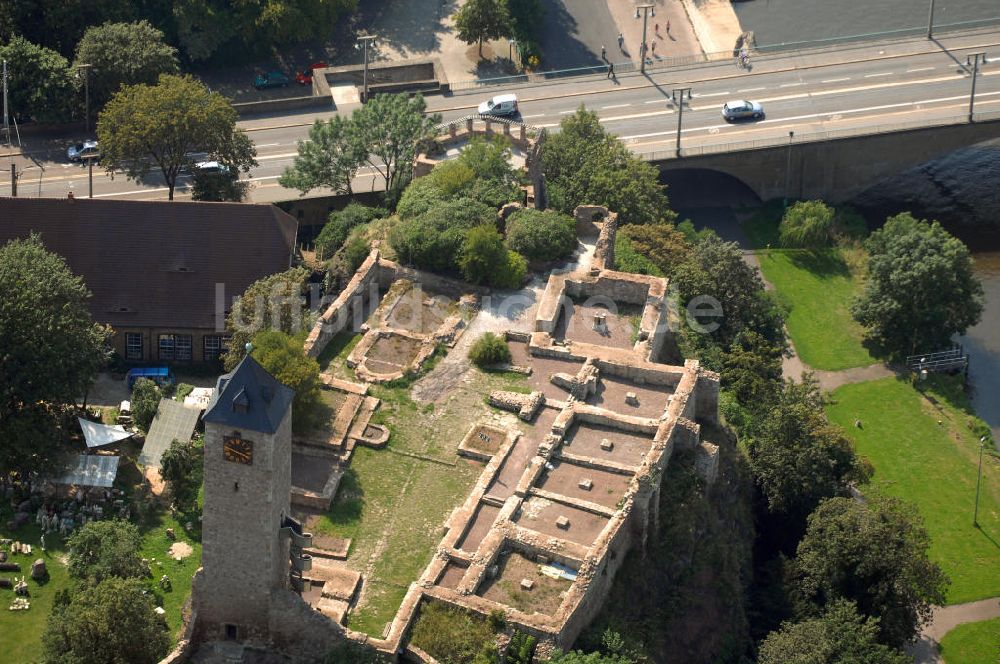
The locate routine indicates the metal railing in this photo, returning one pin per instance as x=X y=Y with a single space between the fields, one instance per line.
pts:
x=945 y=360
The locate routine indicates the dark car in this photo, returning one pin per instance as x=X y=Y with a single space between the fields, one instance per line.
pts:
x=271 y=79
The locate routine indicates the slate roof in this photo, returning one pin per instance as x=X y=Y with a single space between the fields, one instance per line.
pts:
x=157 y=263
x=248 y=397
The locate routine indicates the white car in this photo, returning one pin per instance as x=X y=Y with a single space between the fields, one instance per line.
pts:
x=84 y=150
x=499 y=105
x=742 y=109
x=210 y=168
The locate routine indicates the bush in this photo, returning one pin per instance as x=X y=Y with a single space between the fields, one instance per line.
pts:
x=432 y=240
x=179 y=467
x=452 y=635
x=356 y=249
x=488 y=350
x=144 y=402
x=541 y=236
x=482 y=255
x=512 y=273
x=807 y=225
x=627 y=259
x=282 y=356
x=105 y=549
x=341 y=223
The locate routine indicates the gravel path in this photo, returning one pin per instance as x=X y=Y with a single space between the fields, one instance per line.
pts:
x=945 y=619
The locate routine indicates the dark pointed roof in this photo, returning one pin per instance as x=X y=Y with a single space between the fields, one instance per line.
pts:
x=248 y=397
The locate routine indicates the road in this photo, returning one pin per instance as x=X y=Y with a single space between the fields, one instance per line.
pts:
x=863 y=87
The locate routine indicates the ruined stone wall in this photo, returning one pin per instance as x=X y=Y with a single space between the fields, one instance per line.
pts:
x=341 y=312
x=707 y=408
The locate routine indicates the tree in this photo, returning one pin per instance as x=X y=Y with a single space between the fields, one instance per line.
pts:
x=341 y=223
x=390 y=127
x=873 y=553
x=104 y=549
x=123 y=54
x=807 y=225
x=113 y=622
x=541 y=236
x=282 y=356
x=920 y=291
x=179 y=469
x=797 y=457
x=838 y=636
x=488 y=350
x=51 y=351
x=482 y=254
x=489 y=159
x=272 y=302
x=330 y=158
x=40 y=82
x=59 y=25
x=583 y=164
x=144 y=402
x=167 y=123
x=664 y=245
x=432 y=240
x=752 y=370
x=480 y=20
x=221 y=187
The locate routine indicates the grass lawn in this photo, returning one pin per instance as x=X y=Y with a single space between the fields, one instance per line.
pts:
x=933 y=466
x=972 y=643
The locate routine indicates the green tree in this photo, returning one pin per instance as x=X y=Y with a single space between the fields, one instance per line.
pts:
x=221 y=187
x=584 y=164
x=282 y=356
x=541 y=236
x=52 y=350
x=521 y=648
x=489 y=349
x=40 y=82
x=873 y=553
x=329 y=158
x=390 y=127
x=490 y=159
x=480 y=20
x=272 y=302
x=920 y=291
x=482 y=254
x=752 y=370
x=113 y=622
x=179 y=467
x=163 y=124
x=807 y=225
x=122 y=54
x=145 y=400
x=58 y=25
x=104 y=549
x=664 y=245
x=341 y=223
x=838 y=636
x=432 y=240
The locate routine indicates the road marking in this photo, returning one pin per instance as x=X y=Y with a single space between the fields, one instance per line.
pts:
x=537 y=115
x=836 y=80
x=566 y=112
x=885 y=73
x=712 y=94
x=911 y=71
x=790 y=85
x=752 y=89
x=267 y=145
x=655 y=101
x=615 y=106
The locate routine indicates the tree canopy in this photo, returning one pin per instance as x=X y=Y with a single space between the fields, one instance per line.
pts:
x=838 y=636
x=144 y=402
x=584 y=164
x=329 y=158
x=272 y=302
x=807 y=225
x=104 y=549
x=121 y=54
x=179 y=468
x=432 y=240
x=51 y=351
x=113 y=622
x=341 y=222
x=282 y=356
x=481 y=20
x=873 y=553
x=541 y=236
x=39 y=82
x=165 y=124
x=920 y=290
x=390 y=127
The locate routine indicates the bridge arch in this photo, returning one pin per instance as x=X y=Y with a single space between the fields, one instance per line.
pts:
x=692 y=188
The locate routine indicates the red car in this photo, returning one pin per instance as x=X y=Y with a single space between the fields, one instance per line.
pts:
x=305 y=77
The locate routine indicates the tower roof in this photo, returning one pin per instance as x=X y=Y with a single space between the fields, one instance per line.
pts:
x=248 y=397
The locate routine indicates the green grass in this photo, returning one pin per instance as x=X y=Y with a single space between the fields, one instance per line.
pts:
x=337 y=350
x=972 y=643
x=933 y=466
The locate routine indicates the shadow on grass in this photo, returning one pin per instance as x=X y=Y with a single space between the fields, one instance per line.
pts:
x=820 y=262
x=347 y=507
x=340 y=346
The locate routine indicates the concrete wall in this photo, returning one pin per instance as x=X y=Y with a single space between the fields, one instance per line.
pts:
x=248 y=108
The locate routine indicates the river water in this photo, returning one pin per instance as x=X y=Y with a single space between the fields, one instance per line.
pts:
x=983 y=345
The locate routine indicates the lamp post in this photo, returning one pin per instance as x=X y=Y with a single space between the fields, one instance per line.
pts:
x=86 y=94
x=788 y=167
x=979 y=478
x=677 y=97
x=972 y=61
x=647 y=11
x=511 y=43
x=930 y=21
x=363 y=42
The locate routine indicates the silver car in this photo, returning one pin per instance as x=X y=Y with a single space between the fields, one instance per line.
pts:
x=84 y=150
x=742 y=109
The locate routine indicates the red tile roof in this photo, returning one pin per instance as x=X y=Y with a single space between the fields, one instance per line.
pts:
x=152 y=263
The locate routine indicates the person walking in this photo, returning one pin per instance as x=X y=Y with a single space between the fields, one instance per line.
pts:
x=668 y=26
x=604 y=53
x=656 y=29
x=611 y=70
x=621 y=41
x=653 y=49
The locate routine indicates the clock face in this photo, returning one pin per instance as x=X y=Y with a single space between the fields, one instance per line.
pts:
x=238 y=449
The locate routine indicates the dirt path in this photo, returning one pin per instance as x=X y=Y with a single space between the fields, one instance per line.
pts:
x=945 y=619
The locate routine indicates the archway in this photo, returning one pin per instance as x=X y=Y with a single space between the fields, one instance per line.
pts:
x=709 y=198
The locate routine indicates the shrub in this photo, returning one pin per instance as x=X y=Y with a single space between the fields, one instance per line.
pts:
x=482 y=255
x=542 y=236
x=356 y=249
x=627 y=259
x=452 y=635
x=342 y=222
x=144 y=402
x=488 y=350
x=512 y=273
x=807 y=225
x=432 y=240
x=178 y=468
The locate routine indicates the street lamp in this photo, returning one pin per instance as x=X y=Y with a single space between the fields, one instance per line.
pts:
x=979 y=478
x=788 y=167
x=930 y=21
x=86 y=95
x=677 y=97
x=363 y=42
x=972 y=61
x=647 y=11
x=511 y=43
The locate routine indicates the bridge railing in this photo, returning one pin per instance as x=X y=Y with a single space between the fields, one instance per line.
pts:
x=809 y=137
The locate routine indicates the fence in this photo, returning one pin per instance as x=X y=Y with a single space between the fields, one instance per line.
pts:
x=953 y=359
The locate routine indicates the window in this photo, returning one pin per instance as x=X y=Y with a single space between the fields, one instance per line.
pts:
x=214 y=346
x=133 y=346
x=175 y=347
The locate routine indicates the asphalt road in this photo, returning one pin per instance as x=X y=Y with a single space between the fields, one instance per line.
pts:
x=873 y=86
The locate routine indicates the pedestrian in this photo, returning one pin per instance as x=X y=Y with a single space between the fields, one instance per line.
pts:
x=621 y=41
x=653 y=49
x=668 y=26
x=604 y=53
x=656 y=29
x=611 y=70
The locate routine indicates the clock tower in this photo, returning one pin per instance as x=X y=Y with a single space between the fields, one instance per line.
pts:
x=245 y=553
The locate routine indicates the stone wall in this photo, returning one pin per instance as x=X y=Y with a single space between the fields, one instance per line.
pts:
x=341 y=312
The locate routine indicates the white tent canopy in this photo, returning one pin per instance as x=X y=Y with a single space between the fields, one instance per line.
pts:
x=98 y=435
x=92 y=470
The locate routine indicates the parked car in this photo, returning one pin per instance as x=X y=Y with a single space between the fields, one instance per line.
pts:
x=271 y=79
x=499 y=105
x=210 y=168
x=83 y=150
x=742 y=109
x=305 y=76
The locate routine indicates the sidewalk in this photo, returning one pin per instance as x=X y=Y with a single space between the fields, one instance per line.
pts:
x=681 y=41
x=945 y=619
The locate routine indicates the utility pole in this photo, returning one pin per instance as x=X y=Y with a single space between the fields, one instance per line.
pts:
x=647 y=11
x=90 y=178
x=363 y=42
x=13 y=180
x=6 y=121
x=972 y=61
x=979 y=478
x=930 y=22
x=677 y=97
x=86 y=94
x=788 y=167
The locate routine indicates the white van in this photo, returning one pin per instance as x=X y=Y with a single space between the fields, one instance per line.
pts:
x=499 y=105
